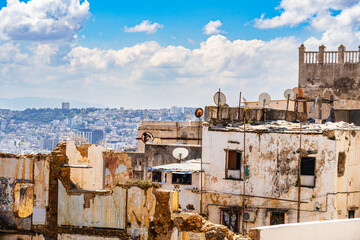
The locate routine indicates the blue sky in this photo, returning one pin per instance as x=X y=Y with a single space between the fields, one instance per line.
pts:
x=158 y=53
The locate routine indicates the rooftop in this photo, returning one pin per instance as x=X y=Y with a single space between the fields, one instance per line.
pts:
x=189 y=166
x=281 y=126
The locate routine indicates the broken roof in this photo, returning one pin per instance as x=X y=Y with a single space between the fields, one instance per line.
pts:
x=282 y=126
x=190 y=166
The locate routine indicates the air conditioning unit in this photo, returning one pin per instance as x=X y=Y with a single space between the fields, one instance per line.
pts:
x=249 y=216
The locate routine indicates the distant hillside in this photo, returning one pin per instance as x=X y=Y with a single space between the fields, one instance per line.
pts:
x=39 y=102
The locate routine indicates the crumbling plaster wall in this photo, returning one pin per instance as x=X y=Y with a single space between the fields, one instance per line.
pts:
x=346 y=178
x=273 y=161
x=31 y=170
x=89 y=154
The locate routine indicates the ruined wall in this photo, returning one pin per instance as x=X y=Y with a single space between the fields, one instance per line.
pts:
x=94 y=167
x=170 y=132
x=272 y=159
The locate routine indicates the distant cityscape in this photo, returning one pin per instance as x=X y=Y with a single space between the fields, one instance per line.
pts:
x=34 y=131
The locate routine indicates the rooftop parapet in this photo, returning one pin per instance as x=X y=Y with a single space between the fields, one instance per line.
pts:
x=233 y=115
x=328 y=57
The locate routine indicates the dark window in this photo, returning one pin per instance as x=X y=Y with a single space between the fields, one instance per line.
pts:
x=156 y=176
x=178 y=178
x=308 y=166
x=230 y=218
x=234 y=160
x=351 y=214
x=277 y=218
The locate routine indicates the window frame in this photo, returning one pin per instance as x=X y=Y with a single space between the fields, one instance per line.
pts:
x=157 y=172
x=232 y=211
x=227 y=156
x=314 y=175
x=176 y=183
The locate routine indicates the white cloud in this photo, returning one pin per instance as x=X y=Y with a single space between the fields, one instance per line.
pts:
x=212 y=27
x=145 y=26
x=145 y=74
x=42 y=20
x=337 y=21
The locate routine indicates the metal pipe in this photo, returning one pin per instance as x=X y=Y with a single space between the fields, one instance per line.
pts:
x=244 y=179
x=299 y=177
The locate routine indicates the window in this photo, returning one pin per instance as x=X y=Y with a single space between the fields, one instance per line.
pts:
x=230 y=218
x=277 y=217
x=233 y=164
x=180 y=178
x=351 y=214
x=156 y=176
x=307 y=172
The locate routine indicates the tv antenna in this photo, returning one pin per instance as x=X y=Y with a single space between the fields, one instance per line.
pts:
x=264 y=99
x=146 y=136
x=288 y=94
x=180 y=153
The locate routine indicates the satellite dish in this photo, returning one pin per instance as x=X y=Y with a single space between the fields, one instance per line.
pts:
x=288 y=94
x=146 y=136
x=264 y=98
x=180 y=153
x=219 y=99
x=199 y=112
x=298 y=91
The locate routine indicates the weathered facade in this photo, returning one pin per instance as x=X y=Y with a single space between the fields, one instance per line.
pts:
x=170 y=132
x=159 y=154
x=183 y=178
x=327 y=74
x=251 y=177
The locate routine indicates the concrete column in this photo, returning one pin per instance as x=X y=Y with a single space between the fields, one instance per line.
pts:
x=301 y=54
x=321 y=54
x=341 y=54
x=301 y=63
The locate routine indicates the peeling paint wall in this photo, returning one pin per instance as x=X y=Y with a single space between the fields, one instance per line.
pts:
x=118 y=168
x=14 y=170
x=87 y=208
x=89 y=154
x=273 y=162
x=347 y=184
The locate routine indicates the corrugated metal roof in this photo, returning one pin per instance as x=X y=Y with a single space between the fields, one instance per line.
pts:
x=184 y=167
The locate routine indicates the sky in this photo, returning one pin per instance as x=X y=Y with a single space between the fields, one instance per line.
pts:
x=153 y=54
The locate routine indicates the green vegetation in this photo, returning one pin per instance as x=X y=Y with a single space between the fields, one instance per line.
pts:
x=46 y=115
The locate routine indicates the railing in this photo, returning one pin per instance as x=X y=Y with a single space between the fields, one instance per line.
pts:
x=351 y=57
x=311 y=57
x=331 y=57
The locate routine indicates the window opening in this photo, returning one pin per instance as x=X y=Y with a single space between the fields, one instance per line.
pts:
x=156 y=176
x=178 y=178
x=233 y=164
x=351 y=214
x=307 y=171
x=277 y=218
x=230 y=218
